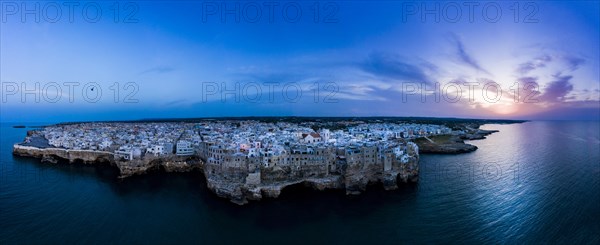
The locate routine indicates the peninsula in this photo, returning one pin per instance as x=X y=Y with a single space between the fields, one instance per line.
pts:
x=246 y=160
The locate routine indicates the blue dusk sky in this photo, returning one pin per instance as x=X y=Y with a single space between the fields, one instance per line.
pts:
x=62 y=61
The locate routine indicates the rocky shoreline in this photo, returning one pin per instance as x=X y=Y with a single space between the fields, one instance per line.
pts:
x=239 y=186
x=126 y=168
x=452 y=144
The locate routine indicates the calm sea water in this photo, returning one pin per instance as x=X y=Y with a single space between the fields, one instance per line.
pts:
x=537 y=182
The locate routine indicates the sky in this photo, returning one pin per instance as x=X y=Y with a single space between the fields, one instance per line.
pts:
x=84 y=61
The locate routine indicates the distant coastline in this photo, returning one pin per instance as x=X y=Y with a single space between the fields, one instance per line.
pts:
x=24 y=126
x=297 y=119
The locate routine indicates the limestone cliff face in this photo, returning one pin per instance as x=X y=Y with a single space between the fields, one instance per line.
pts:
x=53 y=154
x=126 y=168
x=241 y=182
x=254 y=182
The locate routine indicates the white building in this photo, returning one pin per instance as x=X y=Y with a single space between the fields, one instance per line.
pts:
x=105 y=144
x=184 y=148
x=125 y=153
x=156 y=150
x=325 y=134
x=311 y=137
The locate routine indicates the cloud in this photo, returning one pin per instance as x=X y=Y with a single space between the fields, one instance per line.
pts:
x=579 y=110
x=360 y=92
x=538 y=62
x=393 y=67
x=158 y=69
x=272 y=77
x=527 y=80
x=176 y=102
x=282 y=72
x=557 y=89
x=573 y=62
x=528 y=91
x=463 y=56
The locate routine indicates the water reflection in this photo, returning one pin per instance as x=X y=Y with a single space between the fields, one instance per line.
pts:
x=536 y=182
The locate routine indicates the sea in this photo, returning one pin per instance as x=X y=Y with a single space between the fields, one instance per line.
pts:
x=535 y=182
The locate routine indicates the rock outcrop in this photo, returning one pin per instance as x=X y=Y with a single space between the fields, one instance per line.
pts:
x=452 y=144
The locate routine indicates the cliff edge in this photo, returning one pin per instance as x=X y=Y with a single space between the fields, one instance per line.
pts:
x=241 y=182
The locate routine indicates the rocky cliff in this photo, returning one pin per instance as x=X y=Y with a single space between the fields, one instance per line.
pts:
x=241 y=184
x=53 y=155
x=126 y=168
x=247 y=182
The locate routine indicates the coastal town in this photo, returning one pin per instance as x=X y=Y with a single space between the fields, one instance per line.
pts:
x=245 y=159
x=246 y=138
